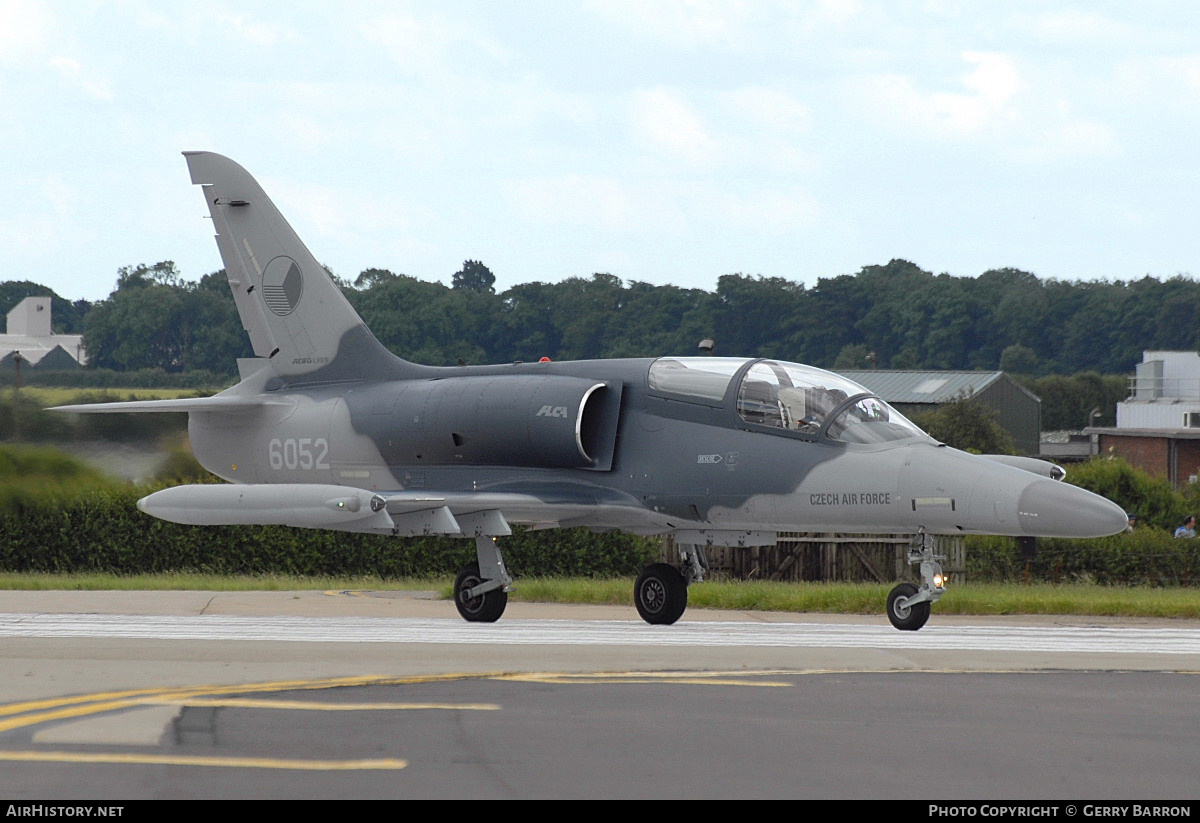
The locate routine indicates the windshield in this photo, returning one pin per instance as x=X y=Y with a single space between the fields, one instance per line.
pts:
x=870 y=420
x=802 y=398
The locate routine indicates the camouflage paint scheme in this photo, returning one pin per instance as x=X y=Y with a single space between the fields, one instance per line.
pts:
x=329 y=429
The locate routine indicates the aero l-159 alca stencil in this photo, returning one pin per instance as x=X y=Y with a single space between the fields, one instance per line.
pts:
x=328 y=429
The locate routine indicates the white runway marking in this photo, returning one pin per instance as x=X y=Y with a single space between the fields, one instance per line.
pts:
x=605 y=633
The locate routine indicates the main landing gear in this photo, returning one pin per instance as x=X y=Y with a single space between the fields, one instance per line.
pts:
x=661 y=590
x=908 y=605
x=481 y=588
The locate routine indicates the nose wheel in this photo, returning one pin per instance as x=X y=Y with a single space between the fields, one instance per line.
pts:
x=906 y=615
x=908 y=605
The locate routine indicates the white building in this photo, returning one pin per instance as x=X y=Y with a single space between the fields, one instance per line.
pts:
x=1158 y=425
x=28 y=332
x=1164 y=392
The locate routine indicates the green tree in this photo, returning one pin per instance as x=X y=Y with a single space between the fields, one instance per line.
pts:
x=759 y=316
x=474 y=276
x=830 y=322
x=1153 y=499
x=1019 y=359
x=163 y=273
x=1069 y=402
x=155 y=319
x=852 y=358
x=424 y=322
x=585 y=313
x=967 y=424
x=659 y=320
x=370 y=278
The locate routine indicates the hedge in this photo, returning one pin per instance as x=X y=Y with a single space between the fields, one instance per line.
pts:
x=1145 y=556
x=102 y=531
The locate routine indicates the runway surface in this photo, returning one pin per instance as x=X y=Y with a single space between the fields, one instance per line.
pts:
x=1094 y=640
x=388 y=694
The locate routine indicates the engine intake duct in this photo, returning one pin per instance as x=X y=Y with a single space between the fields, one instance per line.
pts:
x=543 y=421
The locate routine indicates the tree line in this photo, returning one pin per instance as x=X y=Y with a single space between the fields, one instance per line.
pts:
x=893 y=316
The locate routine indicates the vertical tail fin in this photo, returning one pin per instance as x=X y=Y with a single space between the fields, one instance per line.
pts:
x=295 y=314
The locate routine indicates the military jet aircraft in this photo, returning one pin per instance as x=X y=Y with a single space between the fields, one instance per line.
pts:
x=328 y=429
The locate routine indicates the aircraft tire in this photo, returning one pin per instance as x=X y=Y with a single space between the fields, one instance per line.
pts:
x=660 y=594
x=486 y=608
x=908 y=618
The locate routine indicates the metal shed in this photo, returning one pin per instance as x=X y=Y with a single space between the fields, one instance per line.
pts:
x=1018 y=410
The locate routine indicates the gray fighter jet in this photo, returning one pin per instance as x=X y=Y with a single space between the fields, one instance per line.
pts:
x=328 y=429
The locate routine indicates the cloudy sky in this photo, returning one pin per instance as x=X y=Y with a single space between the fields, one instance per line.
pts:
x=667 y=141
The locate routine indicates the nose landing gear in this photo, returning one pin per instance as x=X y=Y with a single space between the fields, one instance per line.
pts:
x=908 y=606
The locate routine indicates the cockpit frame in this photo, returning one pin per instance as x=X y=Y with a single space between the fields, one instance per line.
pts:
x=781 y=398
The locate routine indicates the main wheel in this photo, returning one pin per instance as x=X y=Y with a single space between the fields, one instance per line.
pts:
x=906 y=618
x=485 y=608
x=660 y=594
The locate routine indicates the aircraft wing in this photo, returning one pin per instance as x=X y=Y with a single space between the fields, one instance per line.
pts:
x=535 y=508
x=345 y=508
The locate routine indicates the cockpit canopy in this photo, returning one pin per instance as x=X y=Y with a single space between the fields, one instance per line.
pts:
x=785 y=396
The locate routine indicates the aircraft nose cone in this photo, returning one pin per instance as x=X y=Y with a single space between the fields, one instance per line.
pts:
x=1051 y=508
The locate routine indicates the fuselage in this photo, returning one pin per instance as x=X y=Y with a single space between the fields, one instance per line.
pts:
x=715 y=443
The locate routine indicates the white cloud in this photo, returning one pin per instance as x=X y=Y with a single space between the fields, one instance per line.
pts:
x=664 y=123
x=25 y=28
x=663 y=206
x=686 y=24
x=647 y=128
x=72 y=70
x=596 y=201
x=1076 y=27
x=336 y=212
x=765 y=129
x=37 y=229
x=257 y=31
x=995 y=79
x=62 y=197
x=1166 y=83
x=991 y=85
x=761 y=213
x=1067 y=136
x=431 y=44
x=1036 y=112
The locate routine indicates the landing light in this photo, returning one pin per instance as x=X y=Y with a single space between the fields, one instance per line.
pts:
x=939 y=581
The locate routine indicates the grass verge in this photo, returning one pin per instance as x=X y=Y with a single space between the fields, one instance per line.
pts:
x=831 y=598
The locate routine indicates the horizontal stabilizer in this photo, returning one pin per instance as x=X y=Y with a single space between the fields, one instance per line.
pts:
x=218 y=403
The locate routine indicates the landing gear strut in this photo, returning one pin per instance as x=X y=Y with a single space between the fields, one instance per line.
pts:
x=908 y=606
x=481 y=588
